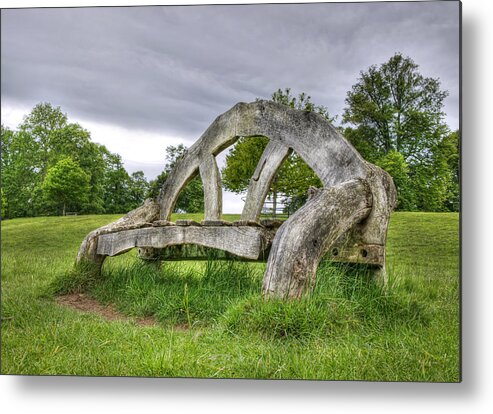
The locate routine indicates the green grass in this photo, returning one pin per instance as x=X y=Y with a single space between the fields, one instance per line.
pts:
x=212 y=321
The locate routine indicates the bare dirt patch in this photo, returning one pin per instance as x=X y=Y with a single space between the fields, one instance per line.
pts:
x=84 y=303
x=181 y=327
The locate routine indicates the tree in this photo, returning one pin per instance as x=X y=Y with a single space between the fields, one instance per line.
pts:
x=44 y=138
x=4 y=204
x=241 y=162
x=293 y=178
x=191 y=198
x=391 y=110
x=118 y=187
x=138 y=187
x=74 y=141
x=437 y=177
x=303 y=102
x=394 y=163
x=395 y=108
x=450 y=149
x=55 y=139
x=20 y=172
x=66 y=185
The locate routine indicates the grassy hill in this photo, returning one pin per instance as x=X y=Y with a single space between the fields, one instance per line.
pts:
x=206 y=319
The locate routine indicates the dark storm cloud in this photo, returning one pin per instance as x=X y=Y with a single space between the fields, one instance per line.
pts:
x=174 y=69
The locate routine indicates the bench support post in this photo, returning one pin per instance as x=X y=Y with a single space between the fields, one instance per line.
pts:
x=303 y=239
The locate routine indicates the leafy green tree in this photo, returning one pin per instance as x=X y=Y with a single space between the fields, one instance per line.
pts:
x=294 y=177
x=20 y=172
x=56 y=139
x=75 y=142
x=291 y=181
x=391 y=110
x=449 y=152
x=437 y=177
x=118 y=186
x=241 y=163
x=394 y=107
x=42 y=125
x=43 y=139
x=66 y=185
x=191 y=198
x=4 y=204
x=303 y=102
x=394 y=163
x=138 y=188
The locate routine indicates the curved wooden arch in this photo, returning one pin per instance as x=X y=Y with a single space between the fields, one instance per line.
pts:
x=317 y=142
x=270 y=162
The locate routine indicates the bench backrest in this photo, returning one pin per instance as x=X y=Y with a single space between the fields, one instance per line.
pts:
x=317 y=142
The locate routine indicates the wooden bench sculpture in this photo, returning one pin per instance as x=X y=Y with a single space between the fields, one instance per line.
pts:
x=346 y=219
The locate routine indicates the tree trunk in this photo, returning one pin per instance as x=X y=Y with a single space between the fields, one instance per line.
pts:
x=63 y=213
x=303 y=239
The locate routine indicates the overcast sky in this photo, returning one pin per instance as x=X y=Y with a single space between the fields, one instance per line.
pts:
x=142 y=78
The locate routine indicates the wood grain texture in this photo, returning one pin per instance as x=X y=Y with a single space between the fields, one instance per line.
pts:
x=213 y=195
x=350 y=214
x=271 y=160
x=142 y=216
x=316 y=141
x=303 y=239
x=248 y=242
x=370 y=235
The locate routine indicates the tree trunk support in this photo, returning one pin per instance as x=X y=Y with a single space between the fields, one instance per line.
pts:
x=303 y=239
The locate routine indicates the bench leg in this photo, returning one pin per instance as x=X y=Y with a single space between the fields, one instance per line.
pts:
x=87 y=257
x=303 y=239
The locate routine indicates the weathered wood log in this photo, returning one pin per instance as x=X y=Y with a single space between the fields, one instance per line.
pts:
x=365 y=242
x=368 y=254
x=215 y=223
x=248 y=242
x=162 y=223
x=187 y=223
x=271 y=223
x=272 y=158
x=213 y=195
x=194 y=252
x=303 y=239
x=141 y=216
x=242 y=223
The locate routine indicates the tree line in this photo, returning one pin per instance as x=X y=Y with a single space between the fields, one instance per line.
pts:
x=393 y=116
x=50 y=167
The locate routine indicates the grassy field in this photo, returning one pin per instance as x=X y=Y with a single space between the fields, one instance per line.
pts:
x=211 y=321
